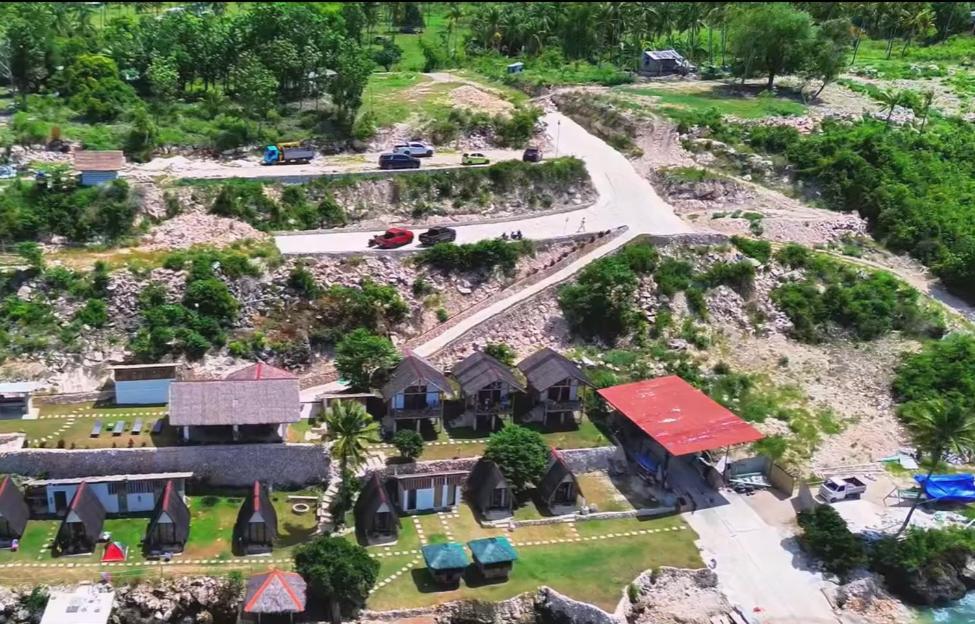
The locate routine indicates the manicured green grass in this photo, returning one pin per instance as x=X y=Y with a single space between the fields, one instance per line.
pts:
x=727 y=103
x=598 y=489
x=78 y=434
x=593 y=571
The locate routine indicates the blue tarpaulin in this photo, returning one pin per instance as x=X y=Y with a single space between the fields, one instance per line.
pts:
x=948 y=487
x=646 y=462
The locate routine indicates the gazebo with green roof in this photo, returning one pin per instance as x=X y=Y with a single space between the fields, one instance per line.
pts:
x=446 y=562
x=493 y=556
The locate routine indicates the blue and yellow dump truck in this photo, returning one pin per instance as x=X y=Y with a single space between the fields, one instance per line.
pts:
x=287 y=154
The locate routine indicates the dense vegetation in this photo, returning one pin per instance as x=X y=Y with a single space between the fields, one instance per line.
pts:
x=207 y=75
x=485 y=255
x=867 y=303
x=826 y=535
x=942 y=370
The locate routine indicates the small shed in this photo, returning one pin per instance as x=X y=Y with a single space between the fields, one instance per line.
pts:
x=86 y=604
x=493 y=556
x=13 y=513
x=434 y=491
x=15 y=398
x=376 y=521
x=273 y=597
x=558 y=490
x=446 y=562
x=82 y=525
x=515 y=68
x=488 y=491
x=660 y=62
x=98 y=167
x=257 y=523
x=143 y=384
x=169 y=527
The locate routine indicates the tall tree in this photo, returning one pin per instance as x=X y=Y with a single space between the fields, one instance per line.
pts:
x=938 y=427
x=771 y=39
x=352 y=429
x=337 y=571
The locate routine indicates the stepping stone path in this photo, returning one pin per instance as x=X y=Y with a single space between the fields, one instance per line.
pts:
x=447 y=442
x=419 y=530
x=94 y=414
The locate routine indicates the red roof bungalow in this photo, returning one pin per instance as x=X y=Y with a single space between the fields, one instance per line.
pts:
x=678 y=417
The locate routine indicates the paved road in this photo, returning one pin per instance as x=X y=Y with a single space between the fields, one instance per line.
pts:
x=625 y=198
x=757 y=566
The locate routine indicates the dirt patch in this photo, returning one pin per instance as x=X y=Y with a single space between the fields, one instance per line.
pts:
x=478 y=100
x=198 y=228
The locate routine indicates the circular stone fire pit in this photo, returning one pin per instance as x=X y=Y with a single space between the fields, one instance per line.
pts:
x=300 y=508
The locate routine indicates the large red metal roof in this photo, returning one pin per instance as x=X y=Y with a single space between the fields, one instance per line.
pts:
x=680 y=417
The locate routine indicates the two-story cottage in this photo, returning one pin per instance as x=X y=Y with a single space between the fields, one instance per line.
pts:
x=488 y=387
x=554 y=382
x=414 y=395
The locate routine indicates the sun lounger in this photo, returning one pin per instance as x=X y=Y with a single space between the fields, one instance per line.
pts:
x=157 y=426
x=96 y=429
x=118 y=428
x=137 y=427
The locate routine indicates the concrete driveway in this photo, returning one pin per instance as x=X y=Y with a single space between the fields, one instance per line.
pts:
x=625 y=198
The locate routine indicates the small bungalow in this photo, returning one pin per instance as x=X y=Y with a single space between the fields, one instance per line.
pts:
x=15 y=398
x=376 y=521
x=81 y=528
x=143 y=384
x=558 y=490
x=414 y=395
x=169 y=527
x=553 y=387
x=13 y=513
x=446 y=563
x=487 y=386
x=493 y=556
x=98 y=167
x=253 y=404
x=418 y=493
x=488 y=491
x=257 y=523
x=118 y=494
x=274 y=597
x=661 y=62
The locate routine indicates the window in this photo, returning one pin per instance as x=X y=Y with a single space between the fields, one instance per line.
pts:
x=564 y=493
x=499 y=498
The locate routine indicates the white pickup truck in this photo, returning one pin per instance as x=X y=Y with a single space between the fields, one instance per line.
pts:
x=841 y=488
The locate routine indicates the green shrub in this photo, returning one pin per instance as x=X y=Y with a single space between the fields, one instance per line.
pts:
x=600 y=301
x=736 y=275
x=409 y=443
x=758 y=249
x=520 y=453
x=93 y=314
x=826 y=536
x=484 y=255
x=303 y=282
x=442 y=315
x=673 y=276
x=501 y=351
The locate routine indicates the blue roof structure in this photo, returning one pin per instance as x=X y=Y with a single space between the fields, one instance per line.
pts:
x=448 y=556
x=492 y=550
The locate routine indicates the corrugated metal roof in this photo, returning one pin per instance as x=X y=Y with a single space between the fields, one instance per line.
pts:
x=664 y=55
x=91 y=160
x=680 y=417
x=492 y=550
x=234 y=402
x=448 y=556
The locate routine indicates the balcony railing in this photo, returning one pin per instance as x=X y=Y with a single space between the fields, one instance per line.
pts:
x=426 y=411
x=562 y=406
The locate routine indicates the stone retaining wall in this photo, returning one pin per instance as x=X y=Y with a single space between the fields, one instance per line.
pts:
x=229 y=465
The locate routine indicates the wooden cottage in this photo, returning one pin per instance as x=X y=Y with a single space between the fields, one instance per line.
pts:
x=256 y=528
x=98 y=166
x=81 y=527
x=488 y=491
x=169 y=527
x=493 y=556
x=253 y=404
x=414 y=395
x=376 y=521
x=13 y=513
x=446 y=563
x=274 y=597
x=487 y=386
x=558 y=490
x=435 y=491
x=554 y=382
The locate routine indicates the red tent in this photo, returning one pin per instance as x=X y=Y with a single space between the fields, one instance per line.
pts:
x=114 y=552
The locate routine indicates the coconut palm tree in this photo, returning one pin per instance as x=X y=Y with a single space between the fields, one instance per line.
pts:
x=352 y=430
x=927 y=98
x=890 y=98
x=937 y=427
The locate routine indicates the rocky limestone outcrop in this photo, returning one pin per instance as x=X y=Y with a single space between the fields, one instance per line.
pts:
x=551 y=607
x=676 y=596
x=865 y=597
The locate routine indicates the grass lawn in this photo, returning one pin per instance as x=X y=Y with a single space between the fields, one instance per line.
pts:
x=599 y=490
x=77 y=434
x=596 y=571
x=673 y=101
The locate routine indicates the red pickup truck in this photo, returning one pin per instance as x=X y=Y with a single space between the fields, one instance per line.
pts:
x=392 y=238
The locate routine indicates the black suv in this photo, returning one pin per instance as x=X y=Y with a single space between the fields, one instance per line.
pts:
x=532 y=154
x=398 y=161
x=438 y=235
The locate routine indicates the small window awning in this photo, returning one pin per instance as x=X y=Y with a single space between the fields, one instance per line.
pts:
x=678 y=416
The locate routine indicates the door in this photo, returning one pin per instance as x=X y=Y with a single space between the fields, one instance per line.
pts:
x=410 y=500
x=60 y=502
x=450 y=494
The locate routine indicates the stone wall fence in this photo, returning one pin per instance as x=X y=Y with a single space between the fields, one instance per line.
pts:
x=282 y=465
